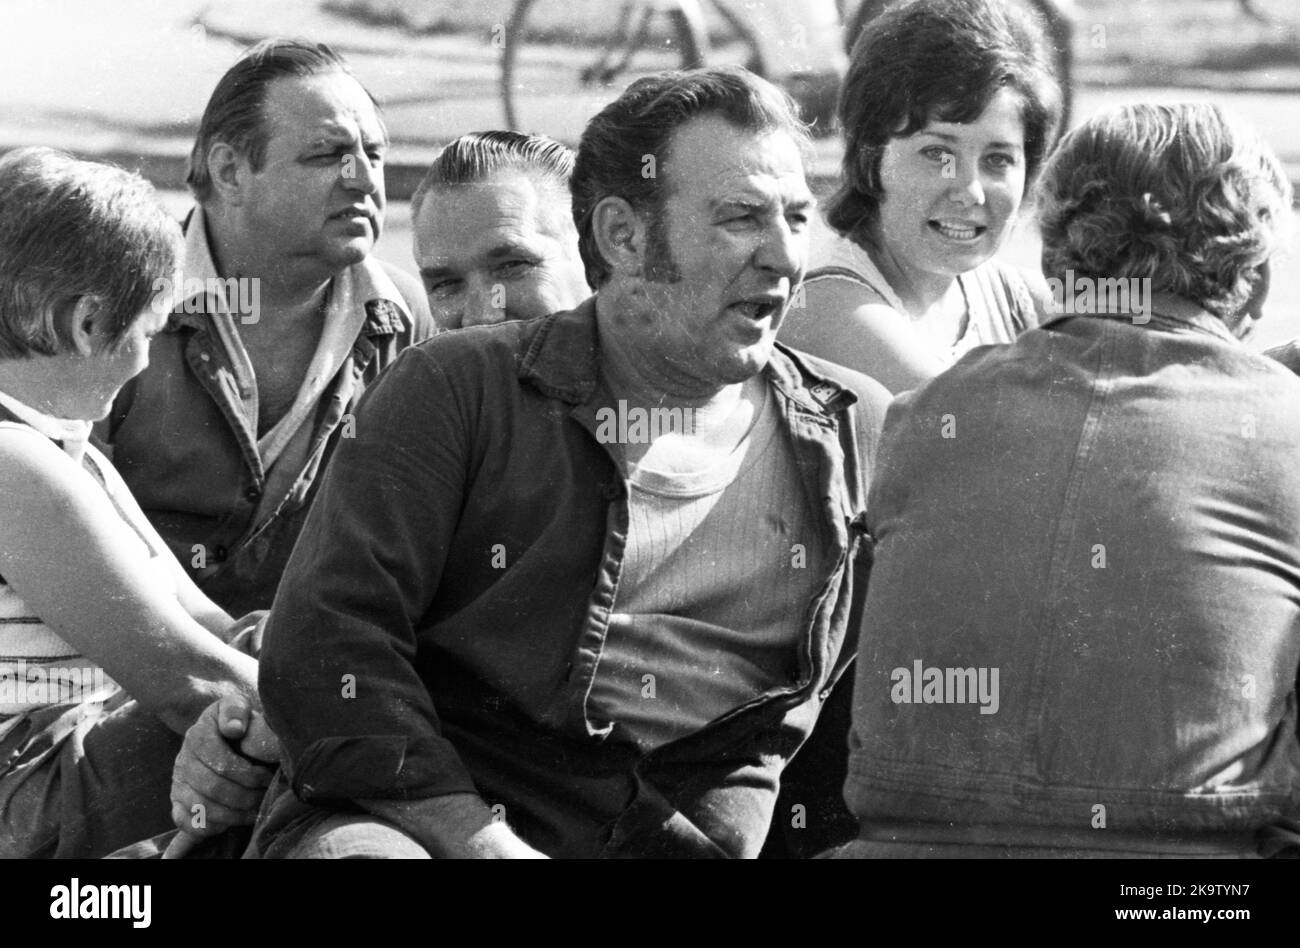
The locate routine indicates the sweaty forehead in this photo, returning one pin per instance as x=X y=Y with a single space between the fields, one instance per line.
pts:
x=463 y=225
x=326 y=106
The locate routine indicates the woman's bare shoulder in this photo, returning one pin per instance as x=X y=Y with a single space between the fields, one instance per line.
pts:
x=30 y=462
x=852 y=325
x=841 y=292
x=45 y=491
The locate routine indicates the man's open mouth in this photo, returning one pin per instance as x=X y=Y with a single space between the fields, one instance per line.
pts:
x=758 y=309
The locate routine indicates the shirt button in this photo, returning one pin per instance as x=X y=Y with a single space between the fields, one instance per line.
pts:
x=253 y=493
x=204 y=357
x=220 y=553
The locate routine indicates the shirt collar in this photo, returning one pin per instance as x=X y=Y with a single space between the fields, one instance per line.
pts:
x=1174 y=312
x=368 y=286
x=562 y=362
x=1166 y=312
x=70 y=434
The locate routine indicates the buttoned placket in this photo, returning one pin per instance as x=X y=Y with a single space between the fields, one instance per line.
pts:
x=236 y=397
x=345 y=383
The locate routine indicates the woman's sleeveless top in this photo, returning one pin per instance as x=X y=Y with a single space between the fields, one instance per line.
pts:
x=999 y=304
x=38 y=669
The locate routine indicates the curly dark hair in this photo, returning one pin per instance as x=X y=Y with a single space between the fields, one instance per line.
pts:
x=1179 y=194
x=929 y=60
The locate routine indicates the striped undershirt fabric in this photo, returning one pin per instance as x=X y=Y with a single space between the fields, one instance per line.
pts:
x=719 y=570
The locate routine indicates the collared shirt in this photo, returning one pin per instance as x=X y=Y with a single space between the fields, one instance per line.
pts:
x=184 y=433
x=441 y=621
x=1085 y=601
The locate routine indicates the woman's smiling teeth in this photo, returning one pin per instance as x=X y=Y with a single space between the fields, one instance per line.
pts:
x=958 y=230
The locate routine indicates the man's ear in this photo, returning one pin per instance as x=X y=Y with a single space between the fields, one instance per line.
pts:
x=1255 y=304
x=620 y=234
x=227 y=170
x=87 y=325
x=1242 y=322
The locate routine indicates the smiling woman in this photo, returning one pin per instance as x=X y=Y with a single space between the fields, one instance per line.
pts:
x=948 y=108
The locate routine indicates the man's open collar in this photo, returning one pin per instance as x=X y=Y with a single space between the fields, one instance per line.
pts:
x=562 y=361
x=792 y=374
x=1165 y=312
x=386 y=310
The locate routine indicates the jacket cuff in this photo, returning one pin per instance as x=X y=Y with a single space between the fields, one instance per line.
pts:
x=378 y=767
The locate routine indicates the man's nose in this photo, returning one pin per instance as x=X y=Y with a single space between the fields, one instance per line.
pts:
x=359 y=173
x=783 y=252
x=485 y=303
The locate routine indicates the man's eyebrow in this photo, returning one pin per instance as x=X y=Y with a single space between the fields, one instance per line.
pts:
x=760 y=205
x=338 y=140
x=740 y=204
x=509 y=250
x=499 y=252
x=432 y=273
x=340 y=136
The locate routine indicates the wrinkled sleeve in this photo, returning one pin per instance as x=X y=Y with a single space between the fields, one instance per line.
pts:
x=338 y=671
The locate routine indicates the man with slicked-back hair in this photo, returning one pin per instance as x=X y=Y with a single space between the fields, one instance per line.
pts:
x=493 y=231
x=284 y=318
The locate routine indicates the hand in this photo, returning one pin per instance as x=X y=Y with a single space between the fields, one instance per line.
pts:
x=225 y=764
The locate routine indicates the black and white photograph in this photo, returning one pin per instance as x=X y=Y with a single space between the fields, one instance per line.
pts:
x=803 y=431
